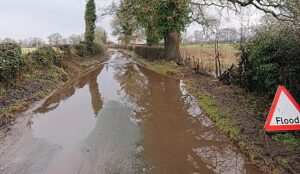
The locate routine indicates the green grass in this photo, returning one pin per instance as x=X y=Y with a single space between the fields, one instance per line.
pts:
x=284 y=161
x=27 y=50
x=30 y=50
x=287 y=139
x=165 y=68
x=2 y=90
x=210 y=48
x=168 y=68
x=218 y=113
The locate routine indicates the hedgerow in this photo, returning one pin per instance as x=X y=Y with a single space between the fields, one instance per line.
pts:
x=269 y=60
x=46 y=56
x=66 y=50
x=11 y=61
x=80 y=50
x=150 y=53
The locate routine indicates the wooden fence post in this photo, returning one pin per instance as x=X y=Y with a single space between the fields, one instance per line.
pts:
x=198 y=66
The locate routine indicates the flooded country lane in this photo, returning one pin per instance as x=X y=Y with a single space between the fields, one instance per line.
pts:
x=119 y=118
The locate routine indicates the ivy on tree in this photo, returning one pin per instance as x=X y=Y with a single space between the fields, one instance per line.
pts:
x=172 y=17
x=166 y=19
x=160 y=19
x=90 y=20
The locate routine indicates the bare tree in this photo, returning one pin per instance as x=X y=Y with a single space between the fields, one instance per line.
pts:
x=100 y=35
x=198 y=36
x=8 y=40
x=281 y=9
x=75 y=39
x=55 y=39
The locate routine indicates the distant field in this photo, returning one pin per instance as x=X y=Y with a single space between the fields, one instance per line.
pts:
x=27 y=50
x=206 y=55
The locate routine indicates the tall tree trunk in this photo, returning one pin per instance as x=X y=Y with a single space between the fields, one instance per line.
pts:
x=172 y=42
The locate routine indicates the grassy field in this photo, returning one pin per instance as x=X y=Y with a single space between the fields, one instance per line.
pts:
x=206 y=55
x=27 y=50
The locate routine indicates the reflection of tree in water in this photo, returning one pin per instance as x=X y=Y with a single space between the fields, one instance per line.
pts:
x=222 y=161
x=175 y=142
x=132 y=82
x=53 y=101
x=97 y=102
x=69 y=89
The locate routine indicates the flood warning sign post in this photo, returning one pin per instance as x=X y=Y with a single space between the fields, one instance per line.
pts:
x=285 y=112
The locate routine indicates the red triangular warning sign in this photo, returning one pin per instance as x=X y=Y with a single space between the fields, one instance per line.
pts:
x=285 y=112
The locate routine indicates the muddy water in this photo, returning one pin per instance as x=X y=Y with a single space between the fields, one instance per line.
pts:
x=119 y=118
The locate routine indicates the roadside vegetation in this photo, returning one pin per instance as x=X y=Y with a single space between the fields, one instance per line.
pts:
x=28 y=77
x=27 y=50
x=269 y=59
x=28 y=74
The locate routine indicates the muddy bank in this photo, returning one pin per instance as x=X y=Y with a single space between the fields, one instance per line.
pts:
x=20 y=94
x=241 y=115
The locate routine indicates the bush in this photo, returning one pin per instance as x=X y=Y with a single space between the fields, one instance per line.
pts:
x=96 y=49
x=149 y=53
x=11 y=61
x=83 y=49
x=269 y=60
x=46 y=56
x=66 y=49
x=80 y=50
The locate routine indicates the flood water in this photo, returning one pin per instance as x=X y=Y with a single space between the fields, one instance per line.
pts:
x=120 y=118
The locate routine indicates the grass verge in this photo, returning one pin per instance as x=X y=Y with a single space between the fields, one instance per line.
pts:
x=217 y=112
x=162 y=67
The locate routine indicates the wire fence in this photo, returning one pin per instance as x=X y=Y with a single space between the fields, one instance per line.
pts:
x=204 y=64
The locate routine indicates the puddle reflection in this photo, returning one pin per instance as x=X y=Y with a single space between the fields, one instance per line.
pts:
x=178 y=136
x=68 y=90
x=124 y=118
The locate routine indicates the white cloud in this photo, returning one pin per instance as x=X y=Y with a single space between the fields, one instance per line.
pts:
x=18 y=25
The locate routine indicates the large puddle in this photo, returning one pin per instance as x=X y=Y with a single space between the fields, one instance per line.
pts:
x=122 y=118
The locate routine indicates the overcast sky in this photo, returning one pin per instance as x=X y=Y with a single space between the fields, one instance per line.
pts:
x=20 y=19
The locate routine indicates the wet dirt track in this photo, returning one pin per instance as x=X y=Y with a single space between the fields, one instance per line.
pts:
x=119 y=118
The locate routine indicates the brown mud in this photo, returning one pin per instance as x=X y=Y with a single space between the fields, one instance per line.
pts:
x=119 y=118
